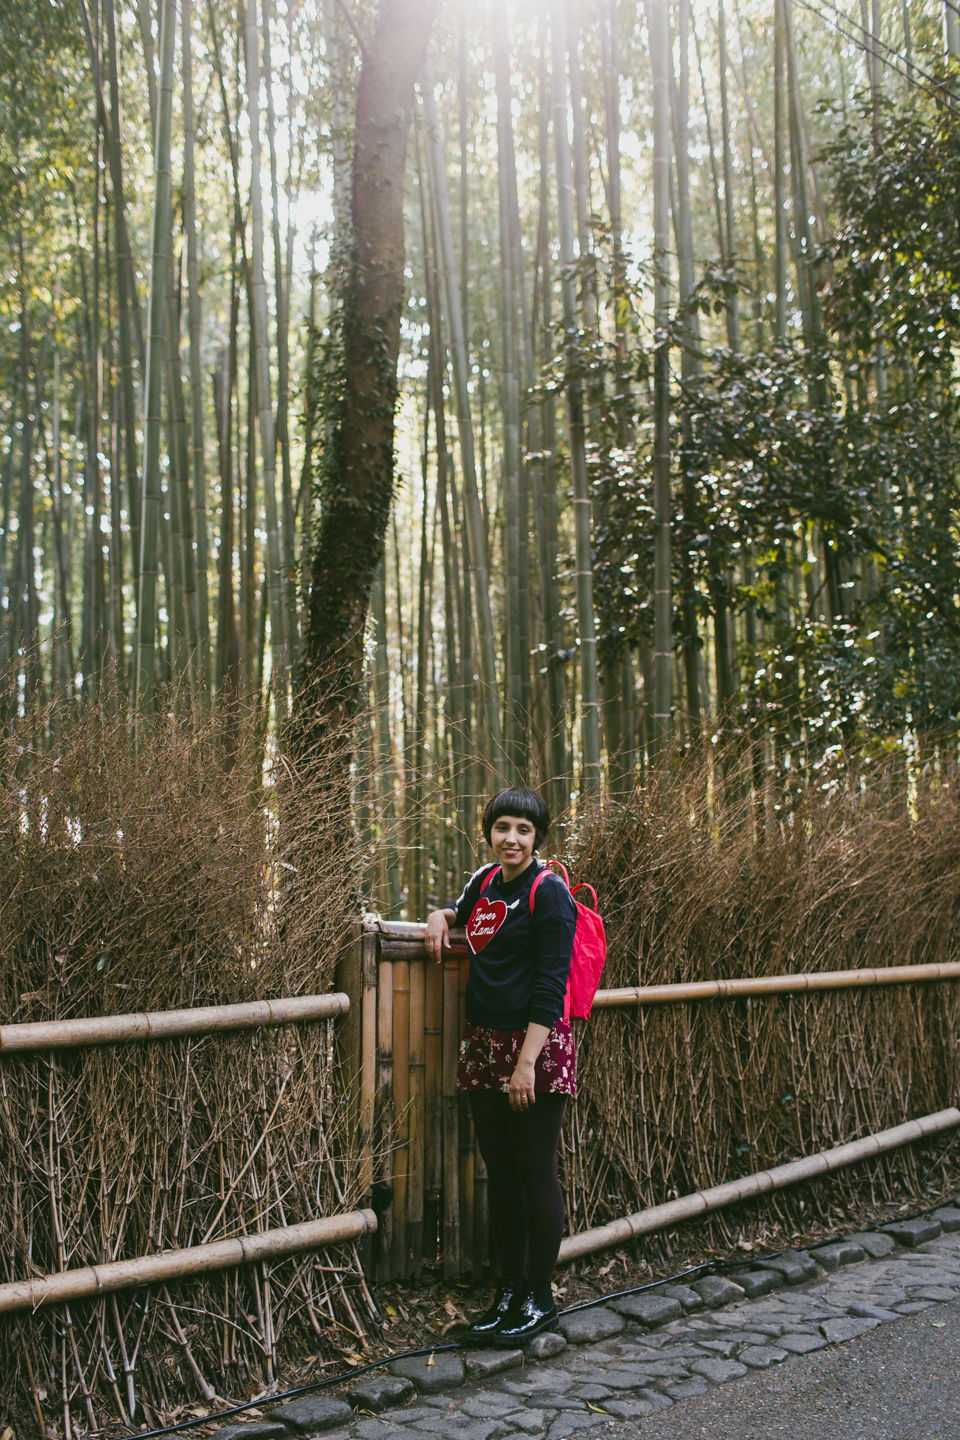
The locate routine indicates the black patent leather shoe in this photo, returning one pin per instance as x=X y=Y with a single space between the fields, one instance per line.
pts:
x=481 y=1332
x=527 y=1317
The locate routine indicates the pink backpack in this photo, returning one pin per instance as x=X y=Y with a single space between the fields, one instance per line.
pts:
x=589 y=945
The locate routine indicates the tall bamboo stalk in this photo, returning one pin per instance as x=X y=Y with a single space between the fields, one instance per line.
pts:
x=228 y=642
x=779 y=164
x=128 y=304
x=418 y=830
x=733 y=300
x=198 y=477
x=457 y=700
x=510 y=391
x=261 y=348
x=381 y=679
x=282 y=301
x=545 y=486
x=190 y=597
x=806 y=283
x=690 y=367
x=589 y=698
x=473 y=511
x=153 y=388
x=659 y=31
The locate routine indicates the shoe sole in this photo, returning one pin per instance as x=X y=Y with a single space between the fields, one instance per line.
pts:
x=477 y=1342
x=510 y=1342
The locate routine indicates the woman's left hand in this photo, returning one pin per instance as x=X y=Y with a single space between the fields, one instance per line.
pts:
x=522 y=1081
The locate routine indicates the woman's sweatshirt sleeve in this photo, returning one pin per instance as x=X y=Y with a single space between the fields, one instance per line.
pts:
x=554 y=923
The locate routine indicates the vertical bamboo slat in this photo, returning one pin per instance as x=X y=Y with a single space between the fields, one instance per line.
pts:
x=401 y=1112
x=368 y=1058
x=385 y=1107
x=451 y=1116
x=415 y=1143
x=433 y=1093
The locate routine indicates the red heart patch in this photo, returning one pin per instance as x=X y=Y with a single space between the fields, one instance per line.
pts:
x=487 y=917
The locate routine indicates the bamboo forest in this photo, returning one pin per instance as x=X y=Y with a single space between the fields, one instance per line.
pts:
x=403 y=401
x=537 y=392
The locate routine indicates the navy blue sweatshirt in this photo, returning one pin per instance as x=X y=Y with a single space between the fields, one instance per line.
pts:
x=519 y=963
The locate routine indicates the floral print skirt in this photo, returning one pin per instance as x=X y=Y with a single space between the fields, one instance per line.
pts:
x=488 y=1058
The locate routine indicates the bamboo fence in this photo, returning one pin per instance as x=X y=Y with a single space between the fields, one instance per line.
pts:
x=435 y=1174
x=763 y=1182
x=145 y=884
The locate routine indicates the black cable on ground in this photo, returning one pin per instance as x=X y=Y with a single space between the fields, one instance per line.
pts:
x=704 y=1266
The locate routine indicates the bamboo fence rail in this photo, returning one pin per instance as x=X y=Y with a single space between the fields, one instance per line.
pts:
x=774 y=985
x=167 y=1024
x=269 y=1245
x=703 y=1202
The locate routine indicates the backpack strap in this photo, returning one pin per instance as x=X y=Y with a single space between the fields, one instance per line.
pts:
x=533 y=890
x=489 y=876
x=584 y=886
x=543 y=875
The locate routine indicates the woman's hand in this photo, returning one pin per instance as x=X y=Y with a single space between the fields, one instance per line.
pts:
x=437 y=938
x=522 y=1081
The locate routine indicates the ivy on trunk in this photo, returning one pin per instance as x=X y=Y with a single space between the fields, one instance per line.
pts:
x=358 y=482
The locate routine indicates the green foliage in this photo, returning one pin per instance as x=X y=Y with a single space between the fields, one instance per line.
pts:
x=795 y=456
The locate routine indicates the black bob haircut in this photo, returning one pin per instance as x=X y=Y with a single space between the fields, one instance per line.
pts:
x=525 y=804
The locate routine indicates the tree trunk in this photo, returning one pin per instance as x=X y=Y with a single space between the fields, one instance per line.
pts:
x=357 y=507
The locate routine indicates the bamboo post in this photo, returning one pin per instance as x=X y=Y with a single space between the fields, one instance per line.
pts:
x=370 y=959
x=702 y=1202
x=95 y=1280
x=451 y=1126
x=384 y=1119
x=433 y=1093
x=401 y=1114
x=415 y=1144
x=348 y=977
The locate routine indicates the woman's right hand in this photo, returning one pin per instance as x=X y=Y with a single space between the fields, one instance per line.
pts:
x=437 y=938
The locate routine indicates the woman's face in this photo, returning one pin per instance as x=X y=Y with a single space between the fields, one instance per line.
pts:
x=512 y=839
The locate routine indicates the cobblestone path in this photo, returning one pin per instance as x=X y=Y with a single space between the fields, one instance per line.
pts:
x=678 y=1348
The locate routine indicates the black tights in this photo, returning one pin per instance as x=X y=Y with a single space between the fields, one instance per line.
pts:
x=519 y=1148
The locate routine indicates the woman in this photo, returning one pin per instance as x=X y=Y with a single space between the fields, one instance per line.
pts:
x=517 y=1058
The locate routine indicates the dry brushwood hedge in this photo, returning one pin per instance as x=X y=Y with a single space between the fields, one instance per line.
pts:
x=675 y=1098
x=154 y=880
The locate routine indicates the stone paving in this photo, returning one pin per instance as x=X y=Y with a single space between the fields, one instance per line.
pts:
x=645 y=1353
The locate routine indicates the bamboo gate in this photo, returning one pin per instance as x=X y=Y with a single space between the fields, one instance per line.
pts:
x=420 y=1166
